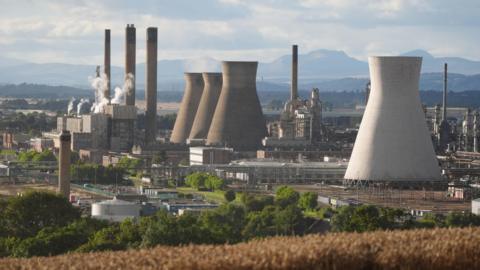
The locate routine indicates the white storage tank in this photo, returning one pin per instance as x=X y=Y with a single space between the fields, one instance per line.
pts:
x=115 y=210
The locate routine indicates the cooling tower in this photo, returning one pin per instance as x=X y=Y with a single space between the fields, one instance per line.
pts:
x=238 y=120
x=186 y=114
x=206 y=108
x=64 y=164
x=393 y=142
x=106 y=63
x=151 y=87
x=130 y=47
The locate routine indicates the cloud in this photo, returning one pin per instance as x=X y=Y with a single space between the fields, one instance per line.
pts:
x=72 y=30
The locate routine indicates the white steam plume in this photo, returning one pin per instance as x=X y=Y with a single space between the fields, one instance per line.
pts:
x=120 y=93
x=83 y=106
x=71 y=106
x=100 y=85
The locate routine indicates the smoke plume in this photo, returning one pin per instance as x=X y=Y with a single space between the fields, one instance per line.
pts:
x=119 y=95
x=71 y=106
x=100 y=85
x=83 y=106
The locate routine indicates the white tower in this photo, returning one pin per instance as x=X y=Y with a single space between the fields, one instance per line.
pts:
x=393 y=143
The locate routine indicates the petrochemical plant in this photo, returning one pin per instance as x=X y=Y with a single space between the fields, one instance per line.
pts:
x=390 y=146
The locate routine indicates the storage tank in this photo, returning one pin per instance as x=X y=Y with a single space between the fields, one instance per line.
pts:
x=188 y=108
x=206 y=108
x=115 y=210
x=393 y=142
x=238 y=120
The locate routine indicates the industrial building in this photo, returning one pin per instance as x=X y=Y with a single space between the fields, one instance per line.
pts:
x=393 y=143
x=300 y=122
x=110 y=124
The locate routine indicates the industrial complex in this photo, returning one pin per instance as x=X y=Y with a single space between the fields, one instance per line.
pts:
x=391 y=150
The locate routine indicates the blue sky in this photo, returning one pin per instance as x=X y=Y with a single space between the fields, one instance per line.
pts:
x=71 y=31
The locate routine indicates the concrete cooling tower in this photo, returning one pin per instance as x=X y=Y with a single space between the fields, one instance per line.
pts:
x=393 y=143
x=188 y=108
x=238 y=120
x=206 y=108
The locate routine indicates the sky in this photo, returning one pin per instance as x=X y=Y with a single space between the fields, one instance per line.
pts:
x=71 y=31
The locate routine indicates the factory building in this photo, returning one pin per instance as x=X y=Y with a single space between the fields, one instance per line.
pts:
x=393 y=143
x=300 y=122
x=109 y=124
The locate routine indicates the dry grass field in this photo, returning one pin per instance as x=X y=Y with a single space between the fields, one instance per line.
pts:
x=416 y=249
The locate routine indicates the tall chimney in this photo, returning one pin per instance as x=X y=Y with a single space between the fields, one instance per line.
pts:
x=106 y=63
x=294 y=87
x=444 y=112
x=64 y=164
x=151 y=86
x=130 y=45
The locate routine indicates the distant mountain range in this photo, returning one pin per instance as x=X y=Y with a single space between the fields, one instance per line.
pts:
x=326 y=69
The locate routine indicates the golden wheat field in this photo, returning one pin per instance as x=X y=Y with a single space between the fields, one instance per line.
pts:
x=418 y=249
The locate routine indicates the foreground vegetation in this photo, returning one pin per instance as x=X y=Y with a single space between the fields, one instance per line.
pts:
x=45 y=224
x=413 y=249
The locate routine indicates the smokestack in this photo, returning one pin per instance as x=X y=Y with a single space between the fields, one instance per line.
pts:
x=444 y=111
x=106 y=63
x=151 y=87
x=206 y=108
x=294 y=86
x=393 y=143
x=238 y=120
x=64 y=164
x=130 y=46
x=186 y=114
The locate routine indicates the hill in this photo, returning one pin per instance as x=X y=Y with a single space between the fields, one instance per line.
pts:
x=414 y=249
x=327 y=69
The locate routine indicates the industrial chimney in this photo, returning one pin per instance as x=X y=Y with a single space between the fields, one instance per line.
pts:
x=106 y=63
x=188 y=108
x=206 y=108
x=64 y=164
x=393 y=143
x=151 y=87
x=444 y=134
x=130 y=47
x=294 y=86
x=238 y=120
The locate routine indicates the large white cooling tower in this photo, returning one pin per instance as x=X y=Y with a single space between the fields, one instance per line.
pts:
x=393 y=143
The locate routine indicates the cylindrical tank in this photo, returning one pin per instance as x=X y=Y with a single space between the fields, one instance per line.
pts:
x=238 y=120
x=64 y=164
x=115 y=210
x=393 y=142
x=206 y=108
x=188 y=108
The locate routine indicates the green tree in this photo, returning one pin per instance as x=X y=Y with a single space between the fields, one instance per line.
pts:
x=196 y=180
x=213 y=182
x=46 y=155
x=289 y=220
x=456 y=219
x=308 y=201
x=224 y=224
x=256 y=202
x=230 y=195
x=260 y=224
x=285 y=196
x=28 y=214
